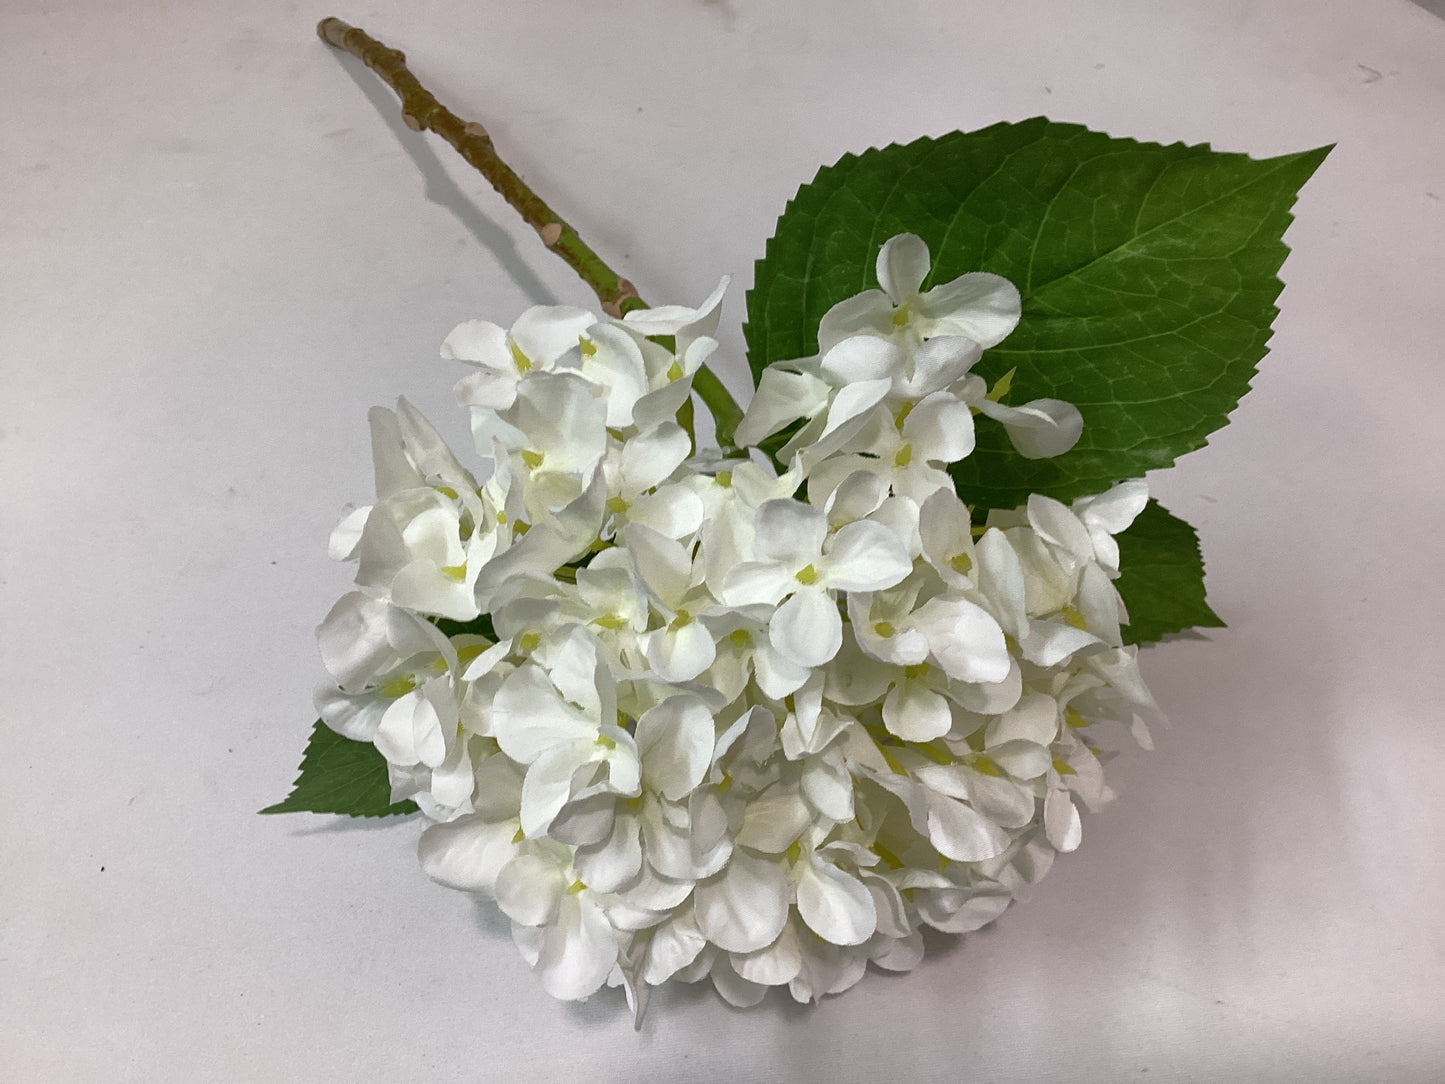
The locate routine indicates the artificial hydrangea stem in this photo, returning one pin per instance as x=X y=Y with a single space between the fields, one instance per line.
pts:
x=420 y=110
x=725 y=411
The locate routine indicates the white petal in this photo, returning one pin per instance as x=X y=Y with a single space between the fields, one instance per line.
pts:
x=782 y=397
x=773 y=821
x=866 y=556
x=940 y=428
x=1061 y=820
x=687 y=324
x=477 y=341
x=994 y=697
x=915 y=712
x=487 y=390
x=774 y=965
x=529 y=889
x=855 y=497
x=776 y=675
x=899 y=954
x=745 y=907
x=868 y=312
x=1051 y=642
x=1021 y=759
x=790 y=532
x=1005 y=802
x=342 y=544
x=675 y=944
x=610 y=865
x=862 y=358
x=675 y=742
x=1099 y=604
x=393 y=470
x=353 y=641
x=1034 y=718
x=661 y=563
x=545 y=332
x=618 y=366
x=1114 y=510
x=423 y=587
x=1034 y=860
x=851 y=404
x=407 y=726
x=654 y=894
x=751 y=583
x=828 y=786
x=681 y=654
x=965 y=639
x=467 y=853
x=674 y=511
x=499 y=788
x=974 y=913
x=666 y=842
x=662 y=405
x=1041 y=428
x=353 y=715
x=586 y=820
x=649 y=459
x=903 y=264
x=835 y=905
x=578 y=951
x=888 y=904
x=941 y=362
x=854 y=678
x=529 y=717
x=1001 y=579
x=548 y=785
x=984 y=307
x=961 y=832
x=828 y=969
x=427 y=449
x=807 y=629
x=709 y=819
x=733 y=988
x=1057 y=525
x=575 y=671
x=945 y=531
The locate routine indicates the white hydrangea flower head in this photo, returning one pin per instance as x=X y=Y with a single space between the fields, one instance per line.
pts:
x=696 y=718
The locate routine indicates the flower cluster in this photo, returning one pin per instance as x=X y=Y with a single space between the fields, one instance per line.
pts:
x=690 y=717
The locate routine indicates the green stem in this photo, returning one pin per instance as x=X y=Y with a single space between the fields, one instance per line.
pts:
x=724 y=408
x=420 y=110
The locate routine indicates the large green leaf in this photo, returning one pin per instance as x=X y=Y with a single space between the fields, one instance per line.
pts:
x=1148 y=276
x=339 y=775
x=1162 y=577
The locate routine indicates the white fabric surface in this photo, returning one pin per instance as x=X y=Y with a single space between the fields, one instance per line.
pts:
x=221 y=247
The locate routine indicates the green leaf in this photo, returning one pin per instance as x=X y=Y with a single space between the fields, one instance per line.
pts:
x=1162 y=577
x=1148 y=276
x=477 y=626
x=339 y=775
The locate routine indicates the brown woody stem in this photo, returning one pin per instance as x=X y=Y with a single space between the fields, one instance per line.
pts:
x=420 y=110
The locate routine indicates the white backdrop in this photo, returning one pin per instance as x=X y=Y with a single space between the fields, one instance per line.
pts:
x=221 y=247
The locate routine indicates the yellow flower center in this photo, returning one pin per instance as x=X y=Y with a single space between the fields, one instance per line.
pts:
x=520 y=360
x=398 y=688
